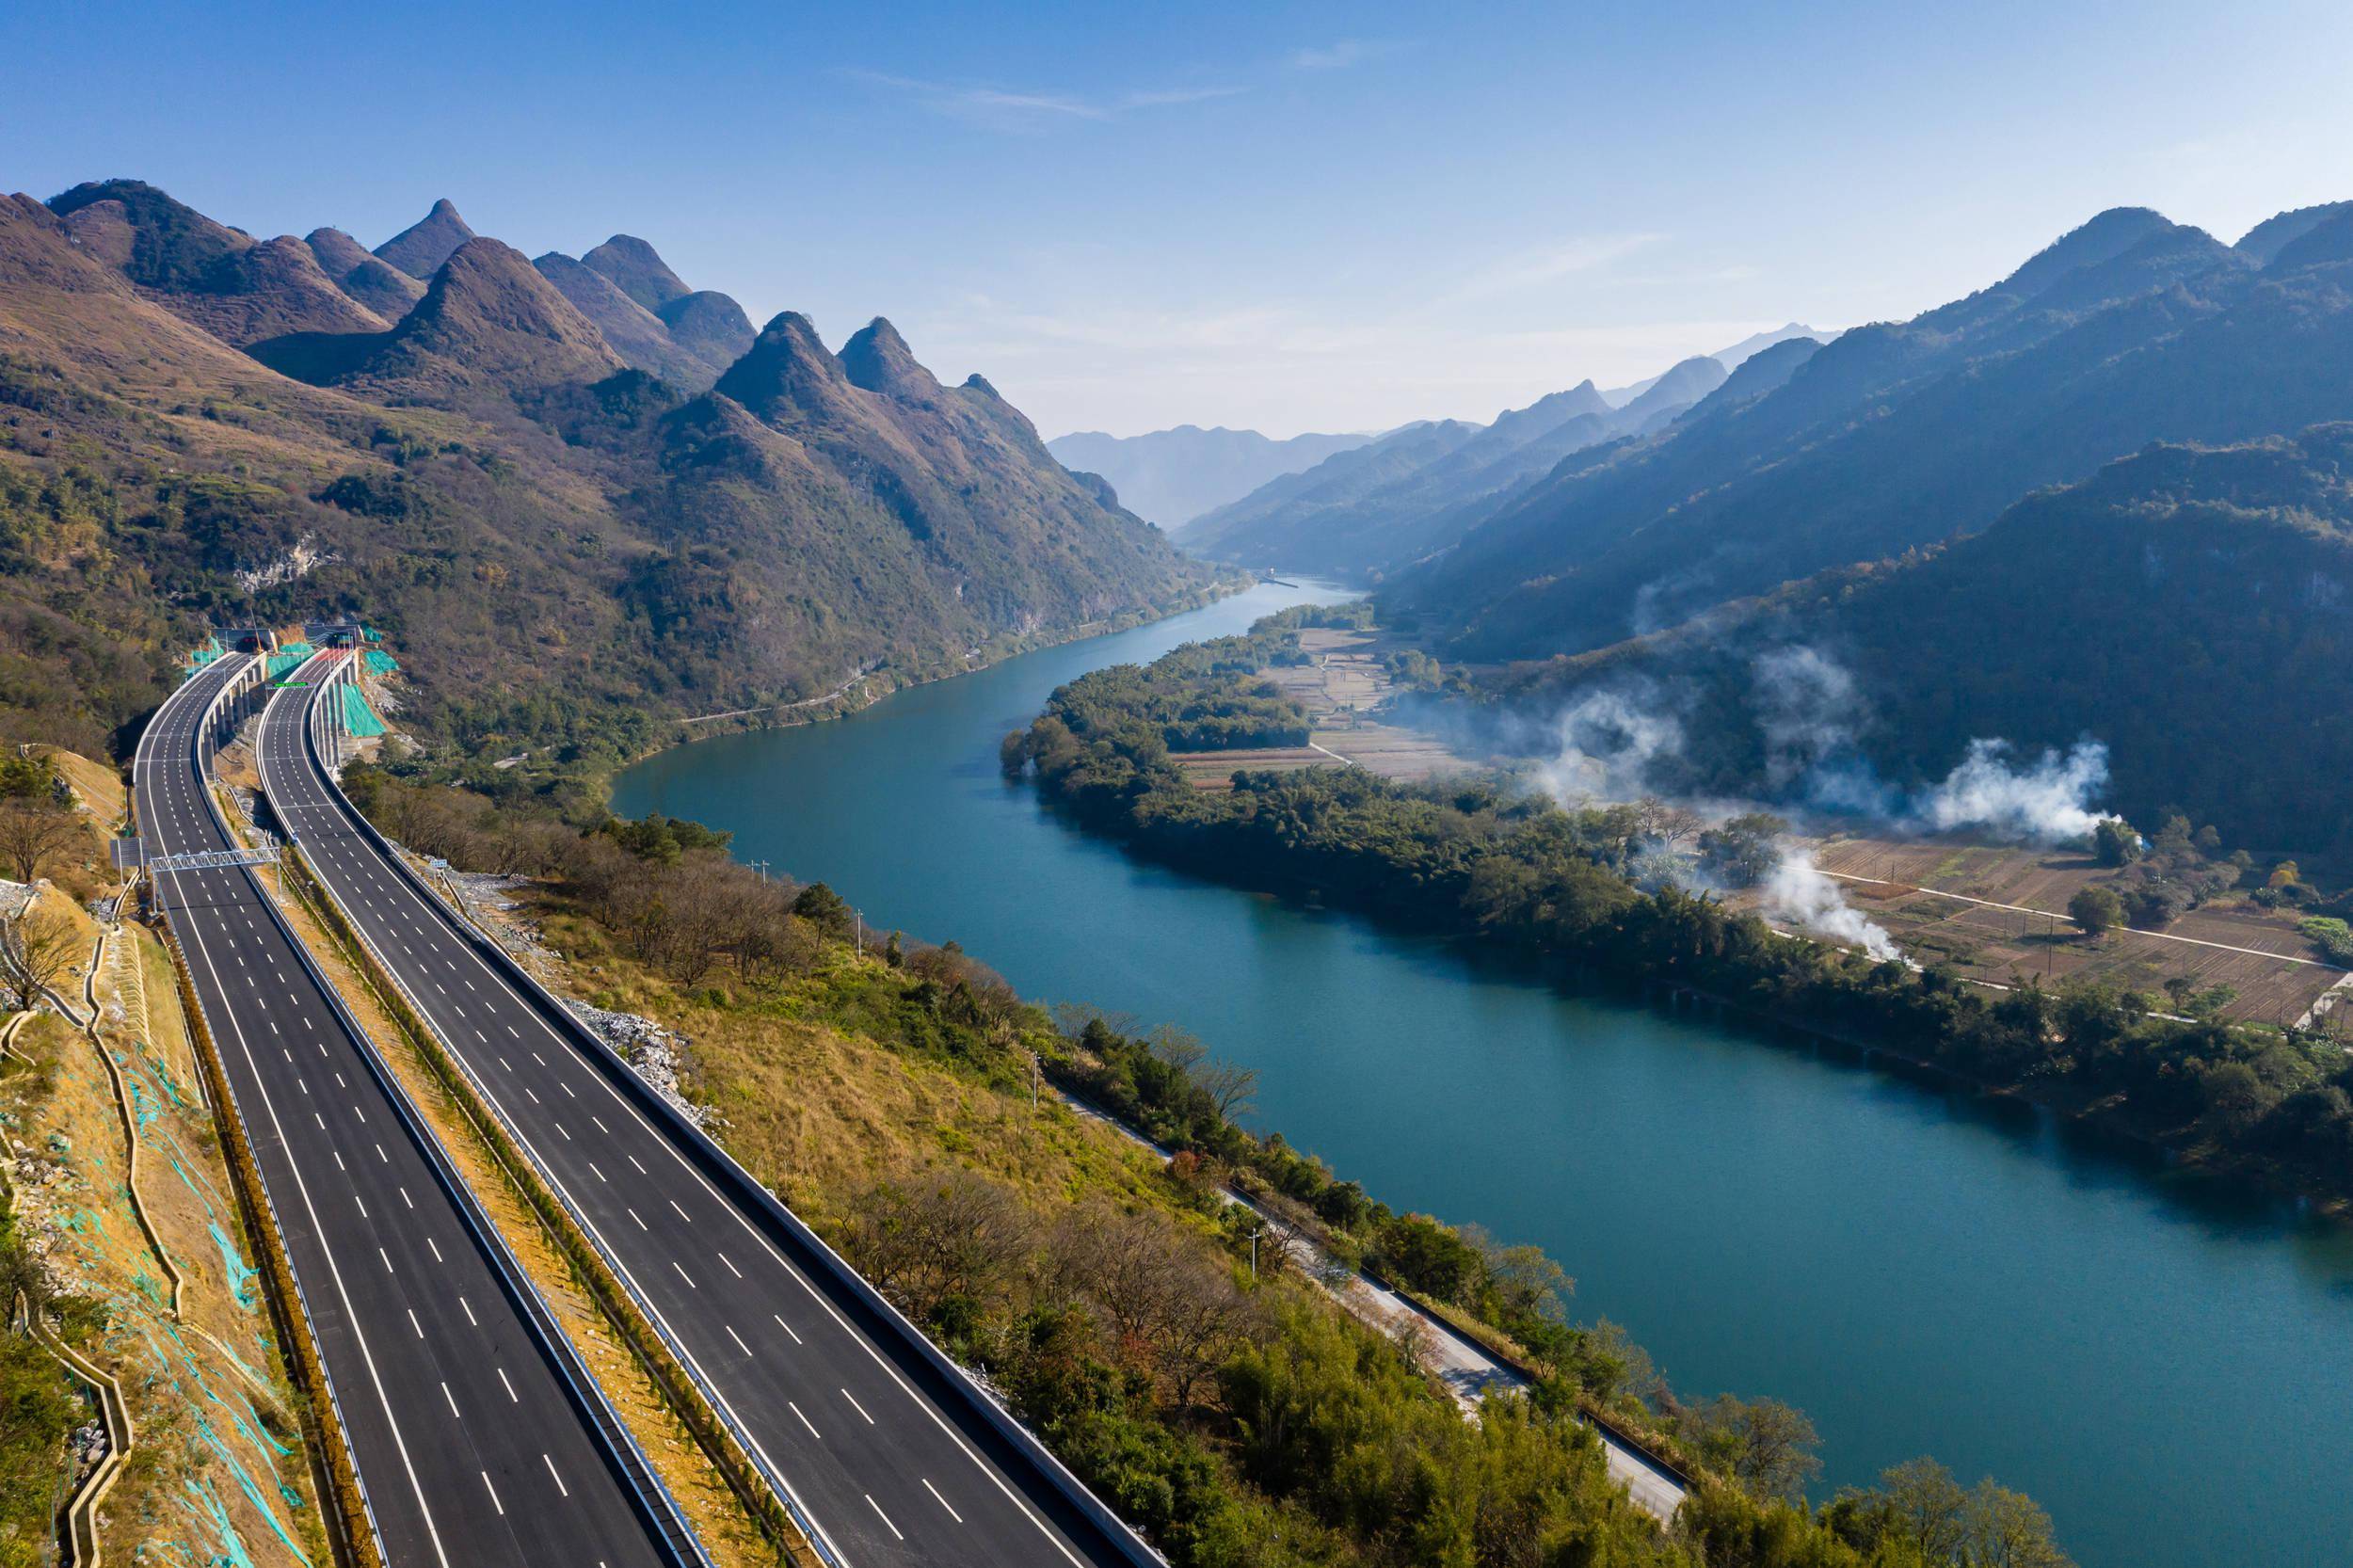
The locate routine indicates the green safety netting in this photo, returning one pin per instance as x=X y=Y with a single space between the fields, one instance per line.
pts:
x=381 y=662
x=199 y=658
x=359 y=718
x=371 y=634
x=287 y=659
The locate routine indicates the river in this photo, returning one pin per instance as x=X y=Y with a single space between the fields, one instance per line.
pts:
x=2164 y=1361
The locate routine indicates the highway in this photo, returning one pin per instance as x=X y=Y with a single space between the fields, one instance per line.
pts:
x=878 y=1449
x=477 y=1437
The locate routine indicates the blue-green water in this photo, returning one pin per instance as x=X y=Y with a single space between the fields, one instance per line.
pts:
x=2166 y=1363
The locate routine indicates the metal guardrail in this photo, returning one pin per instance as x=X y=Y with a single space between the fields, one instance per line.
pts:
x=627 y=1458
x=722 y=1168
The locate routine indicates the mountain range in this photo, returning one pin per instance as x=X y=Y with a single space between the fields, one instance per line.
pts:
x=576 y=494
x=2189 y=608
x=1362 y=512
x=1172 y=476
x=2127 y=330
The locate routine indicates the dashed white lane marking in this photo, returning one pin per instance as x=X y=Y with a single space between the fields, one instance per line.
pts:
x=796 y=1410
x=494 y=1492
x=787 y=1327
x=511 y=1396
x=730 y=1263
x=880 y=1514
x=738 y=1339
x=559 y=1479
x=684 y=1275
x=855 y=1405
x=414 y=1324
x=453 y=1403
x=943 y=1502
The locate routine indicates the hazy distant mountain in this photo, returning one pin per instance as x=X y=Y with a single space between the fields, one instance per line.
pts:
x=420 y=250
x=1365 y=512
x=1732 y=359
x=2126 y=330
x=2266 y=239
x=1172 y=476
x=1732 y=356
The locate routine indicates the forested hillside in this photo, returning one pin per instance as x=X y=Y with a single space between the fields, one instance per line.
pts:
x=2129 y=329
x=567 y=535
x=2190 y=609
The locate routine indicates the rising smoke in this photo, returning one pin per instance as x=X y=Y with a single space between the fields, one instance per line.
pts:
x=2042 y=802
x=1613 y=744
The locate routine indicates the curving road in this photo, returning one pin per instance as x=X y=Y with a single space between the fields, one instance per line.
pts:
x=477 y=1437
x=881 y=1453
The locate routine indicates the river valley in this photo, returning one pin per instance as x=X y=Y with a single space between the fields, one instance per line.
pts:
x=2164 y=1361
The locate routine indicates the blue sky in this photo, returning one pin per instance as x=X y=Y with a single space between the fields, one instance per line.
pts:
x=1333 y=218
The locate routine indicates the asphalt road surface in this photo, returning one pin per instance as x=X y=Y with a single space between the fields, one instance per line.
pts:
x=472 y=1444
x=885 y=1460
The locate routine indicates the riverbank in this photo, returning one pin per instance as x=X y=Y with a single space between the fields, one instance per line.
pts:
x=1916 y=1270
x=1481 y=859
x=1099 y=1285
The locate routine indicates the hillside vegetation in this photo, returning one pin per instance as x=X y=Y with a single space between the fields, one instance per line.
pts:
x=1236 y=1416
x=1606 y=893
x=2127 y=330
x=2190 y=609
x=566 y=546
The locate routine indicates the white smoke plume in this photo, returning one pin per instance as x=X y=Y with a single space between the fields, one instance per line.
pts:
x=1806 y=709
x=1800 y=893
x=2043 y=801
x=1604 y=744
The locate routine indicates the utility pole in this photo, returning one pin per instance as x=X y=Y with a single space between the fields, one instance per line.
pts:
x=861 y=932
x=1255 y=1234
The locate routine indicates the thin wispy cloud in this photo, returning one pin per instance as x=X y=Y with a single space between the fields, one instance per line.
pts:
x=1013 y=109
x=1345 y=52
x=1548 y=263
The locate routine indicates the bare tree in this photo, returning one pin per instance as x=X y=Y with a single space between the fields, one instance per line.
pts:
x=1177 y=1048
x=938 y=1235
x=37 y=951
x=1231 y=1087
x=1169 y=1302
x=32 y=833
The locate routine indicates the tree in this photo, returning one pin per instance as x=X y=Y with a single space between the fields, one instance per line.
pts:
x=2095 y=910
x=2114 y=843
x=1930 y=1509
x=1768 y=1446
x=823 y=909
x=2009 y=1529
x=37 y=951
x=33 y=832
x=1229 y=1085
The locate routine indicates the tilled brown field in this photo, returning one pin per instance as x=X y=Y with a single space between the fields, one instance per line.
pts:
x=1898 y=883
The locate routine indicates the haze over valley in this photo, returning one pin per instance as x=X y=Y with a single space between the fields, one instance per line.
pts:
x=1218 y=788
